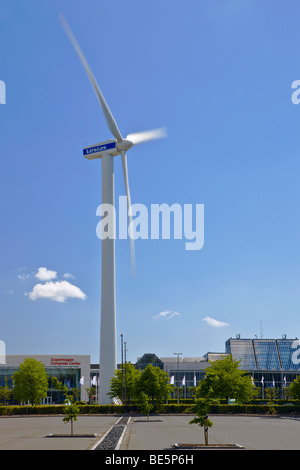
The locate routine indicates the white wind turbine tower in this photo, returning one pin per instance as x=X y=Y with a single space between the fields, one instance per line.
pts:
x=107 y=150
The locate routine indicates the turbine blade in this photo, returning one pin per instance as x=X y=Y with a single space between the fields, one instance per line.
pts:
x=140 y=137
x=106 y=111
x=125 y=172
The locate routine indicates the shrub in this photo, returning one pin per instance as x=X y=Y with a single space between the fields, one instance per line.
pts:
x=289 y=408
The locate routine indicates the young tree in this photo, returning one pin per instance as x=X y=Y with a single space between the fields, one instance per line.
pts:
x=272 y=394
x=201 y=408
x=30 y=382
x=91 y=391
x=144 y=405
x=224 y=379
x=70 y=410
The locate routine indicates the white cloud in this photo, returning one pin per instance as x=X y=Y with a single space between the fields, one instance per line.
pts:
x=23 y=277
x=58 y=291
x=168 y=314
x=45 y=274
x=216 y=323
x=69 y=276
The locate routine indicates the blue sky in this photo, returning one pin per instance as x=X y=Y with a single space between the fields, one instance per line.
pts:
x=218 y=75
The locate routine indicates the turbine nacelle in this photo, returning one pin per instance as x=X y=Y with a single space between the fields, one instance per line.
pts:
x=107 y=147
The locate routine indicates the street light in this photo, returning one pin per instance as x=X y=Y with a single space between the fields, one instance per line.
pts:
x=125 y=350
x=178 y=354
x=122 y=363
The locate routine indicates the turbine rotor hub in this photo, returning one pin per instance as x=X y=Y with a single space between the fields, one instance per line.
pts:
x=124 y=145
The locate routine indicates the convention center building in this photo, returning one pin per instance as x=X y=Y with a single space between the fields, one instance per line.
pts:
x=270 y=362
x=72 y=370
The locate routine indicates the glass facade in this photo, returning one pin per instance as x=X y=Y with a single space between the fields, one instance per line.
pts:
x=266 y=353
x=242 y=350
x=286 y=350
x=69 y=376
x=271 y=362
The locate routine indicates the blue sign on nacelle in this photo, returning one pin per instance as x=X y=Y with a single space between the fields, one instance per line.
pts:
x=99 y=148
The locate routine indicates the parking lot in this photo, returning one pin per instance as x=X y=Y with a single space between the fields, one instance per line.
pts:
x=159 y=433
x=251 y=432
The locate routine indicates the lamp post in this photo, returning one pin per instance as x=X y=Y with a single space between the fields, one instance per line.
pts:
x=125 y=350
x=122 y=362
x=178 y=354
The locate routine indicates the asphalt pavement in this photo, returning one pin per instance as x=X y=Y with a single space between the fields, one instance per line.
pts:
x=159 y=433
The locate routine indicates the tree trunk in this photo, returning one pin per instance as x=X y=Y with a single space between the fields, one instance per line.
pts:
x=206 y=431
x=206 y=435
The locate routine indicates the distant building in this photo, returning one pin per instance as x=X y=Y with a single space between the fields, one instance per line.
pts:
x=214 y=356
x=271 y=362
x=149 y=358
x=72 y=370
x=187 y=371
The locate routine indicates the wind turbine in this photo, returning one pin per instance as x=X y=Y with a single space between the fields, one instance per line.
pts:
x=107 y=150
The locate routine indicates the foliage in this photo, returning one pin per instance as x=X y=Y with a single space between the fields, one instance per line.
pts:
x=71 y=410
x=154 y=382
x=91 y=391
x=272 y=394
x=132 y=375
x=202 y=408
x=30 y=382
x=73 y=394
x=294 y=389
x=5 y=392
x=284 y=409
x=59 y=385
x=144 y=405
x=224 y=379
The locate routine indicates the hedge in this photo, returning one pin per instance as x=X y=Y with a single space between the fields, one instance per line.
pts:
x=162 y=408
x=31 y=410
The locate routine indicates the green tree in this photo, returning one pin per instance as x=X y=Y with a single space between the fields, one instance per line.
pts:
x=59 y=385
x=294 y=389
x=5 y=392
x=272 y=394
x=154 y=382
x=30 y=382
x=201 y=408
x=144 y=405
x=224 y=379
x=130 y=379
x=91 y=391
x=70 y=410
